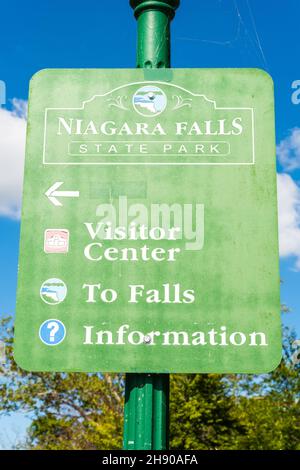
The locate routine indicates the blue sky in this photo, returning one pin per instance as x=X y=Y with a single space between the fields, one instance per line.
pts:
x=205 y=33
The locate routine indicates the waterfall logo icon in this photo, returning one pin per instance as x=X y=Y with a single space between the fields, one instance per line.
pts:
x=149 y=101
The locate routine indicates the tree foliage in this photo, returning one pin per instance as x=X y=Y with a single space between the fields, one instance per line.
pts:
x=268 y=405
x=69 y=411
x=201 y=413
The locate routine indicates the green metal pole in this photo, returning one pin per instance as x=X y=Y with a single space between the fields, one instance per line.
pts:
x=153 y=21
x=146 y=413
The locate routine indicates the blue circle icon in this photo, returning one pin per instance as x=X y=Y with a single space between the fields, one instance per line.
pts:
x=52 y=332
x=149 y=101
x=53 y=291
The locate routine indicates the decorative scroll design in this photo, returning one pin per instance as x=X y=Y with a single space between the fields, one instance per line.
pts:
x=181 y=102
x=117 y=101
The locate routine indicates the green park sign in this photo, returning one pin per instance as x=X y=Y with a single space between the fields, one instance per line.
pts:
x=149 y=223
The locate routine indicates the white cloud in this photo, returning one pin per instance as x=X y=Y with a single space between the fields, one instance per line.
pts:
x=288 y=151
x=289 y=217
x=19 y=108
x=12 y=151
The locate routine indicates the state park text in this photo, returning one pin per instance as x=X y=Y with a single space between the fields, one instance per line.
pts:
x=78 y=127
x=85 y=137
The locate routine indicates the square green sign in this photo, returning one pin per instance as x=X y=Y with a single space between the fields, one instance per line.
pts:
x=149 y=223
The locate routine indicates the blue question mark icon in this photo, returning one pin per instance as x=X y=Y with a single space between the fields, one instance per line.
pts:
x=52 y=332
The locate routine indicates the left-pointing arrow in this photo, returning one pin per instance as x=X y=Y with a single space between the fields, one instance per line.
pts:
x=52 y=193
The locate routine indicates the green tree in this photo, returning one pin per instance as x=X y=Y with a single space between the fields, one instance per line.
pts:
x=250 y=412
x=202 y=413
x=268 y=405
x=69 y=411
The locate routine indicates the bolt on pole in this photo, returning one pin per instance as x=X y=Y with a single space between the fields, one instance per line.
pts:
x=146 y=413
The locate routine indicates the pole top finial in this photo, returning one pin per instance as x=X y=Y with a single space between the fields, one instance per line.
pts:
x=167 y=6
